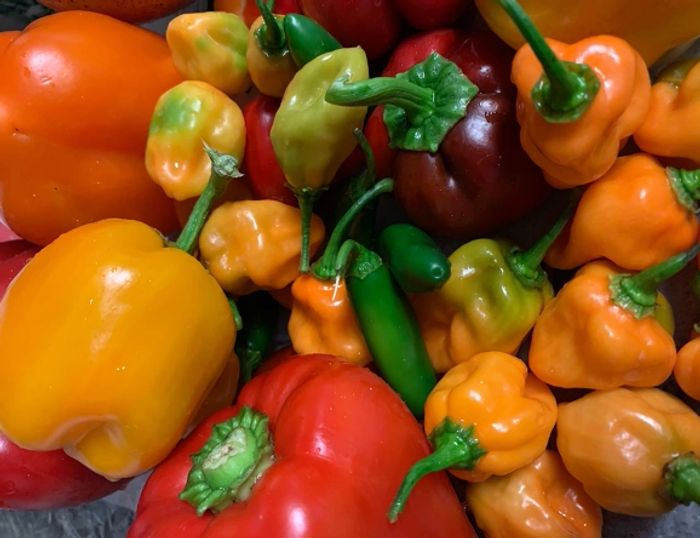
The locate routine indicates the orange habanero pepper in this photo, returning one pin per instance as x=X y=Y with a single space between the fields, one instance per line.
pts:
x=687 y=368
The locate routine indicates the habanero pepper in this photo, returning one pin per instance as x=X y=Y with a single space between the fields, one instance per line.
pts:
x=687 y=368
x=255 y=469
x=577 y=104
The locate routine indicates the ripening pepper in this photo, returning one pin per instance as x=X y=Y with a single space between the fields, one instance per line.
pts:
x=638 y=214
x=211 y=47
x=184 y=116
x=248 y=10
x=687 y=368
x=675 y=103
x=111 y=341
x=487 y=416
x=606 y=329
x=540 y=499
x=632 y=449
x=578 y=103
x=254 y=244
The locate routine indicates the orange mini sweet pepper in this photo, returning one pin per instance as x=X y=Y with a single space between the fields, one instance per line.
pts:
x=632 y=449
x=638 y=214
x=486 y=416
x=538 y=500
x=577 y=103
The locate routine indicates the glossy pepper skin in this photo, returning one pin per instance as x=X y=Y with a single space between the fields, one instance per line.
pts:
x=129 y=10
x=675 y=103
x=186 y=115
x=97 y=168
x=619 y=443
x=423 y=15
x=313 y=402
x=211 y=47
x=540 y=499
x=687 y=368
x=636 y=215
x=249 y=10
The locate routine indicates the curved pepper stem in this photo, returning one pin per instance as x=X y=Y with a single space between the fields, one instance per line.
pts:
x=686 y=186
x=638 y=293
x=455 y=447
x=682 y=476
x=307 y=198
x=224 y=471
x=566 y=89
x=223 y=168
x=270 y=35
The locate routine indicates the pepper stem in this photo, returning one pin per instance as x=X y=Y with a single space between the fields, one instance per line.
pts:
x=682 y=476
x=638 y=293
x=223 y=168
x=306 y=198
x=270 y=35
x=455 y=447
x=686 y=185
x=233 y=459
x=237 y=319
x=566 y=89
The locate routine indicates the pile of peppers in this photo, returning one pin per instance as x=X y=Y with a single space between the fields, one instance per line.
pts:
x=332 y=268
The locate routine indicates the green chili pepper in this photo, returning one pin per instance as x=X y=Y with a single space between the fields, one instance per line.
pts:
x=307 y=39
x=259 y=312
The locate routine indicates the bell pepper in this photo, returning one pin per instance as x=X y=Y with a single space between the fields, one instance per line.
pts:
x=491 y=301
x=184 y=116
x=480 y=178
x=675 y=102
x=540 y=499
x=95 y=140
x=126 y=10
x=248 y=10
x=487 y=416
x=111 y=340
x=651 y=27
x=428 y=15
x=211 y=47
x=613 y=221
x=254 y=244
x=305 y=122
x=629 y=448
x=606 y=329
x=314 y=447
x=578 y=103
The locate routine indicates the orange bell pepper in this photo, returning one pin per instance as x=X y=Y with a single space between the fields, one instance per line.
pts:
x=687 y=369
x=605 y=329
x=577 y=103
x=675 y=102
x=540 y=499
x=638 y=214
x=486 y=416
x=630 y=449
x=73 y=129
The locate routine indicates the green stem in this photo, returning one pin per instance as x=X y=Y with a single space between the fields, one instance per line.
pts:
x=270 y=35
x=223 y=168
x=455 y=447
x=566 y=90
x=686 y=186
x=682 y=478
x=306 y=198
x=237 y=319
x=233 y=459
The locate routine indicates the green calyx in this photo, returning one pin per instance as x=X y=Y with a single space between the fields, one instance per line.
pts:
x=421 y=104
x=566 y=90
x=686 y=186
x=307 y=39
x=270 y=35
x=356 y=261
x=227 y=467
x=682 y=477
x=455 y=447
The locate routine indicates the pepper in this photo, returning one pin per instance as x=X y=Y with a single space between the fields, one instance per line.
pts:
x=254 y=244
x=578 y=103
x=428 y=15
x=271 y=477
x=491 y=301
x=186 y=115
x=305 y=122
x=306 y=39
x=630 y=449
x=126 y=10
x=487 y=416
x=540 y=499
x=254 y=341
x=95 y=140
x=77 y=323
x=687 y=368
x=613 y=221
x=211 y=47
x=248 y=10
x=675 y=102
x=606 y=329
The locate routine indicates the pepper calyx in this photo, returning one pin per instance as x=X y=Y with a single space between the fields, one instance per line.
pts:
x=356 y=261
x=270 y=36
x=557 y=106
x=682 y=478
x=686 y=186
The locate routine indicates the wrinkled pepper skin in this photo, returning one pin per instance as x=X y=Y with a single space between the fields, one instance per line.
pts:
x=617 y=443
x=255 y=244
x=342 y=440
x=674 y=104
x=211 y=47
x=687 y=368
x=96 y=164
x=541 y=499
x=249 y=11
x=632 y=216
x=184 y=116
x=75 y=327
x=579 y=152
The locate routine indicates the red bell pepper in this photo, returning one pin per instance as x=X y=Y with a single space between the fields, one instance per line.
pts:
x=424 y=15
x=342 y=441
